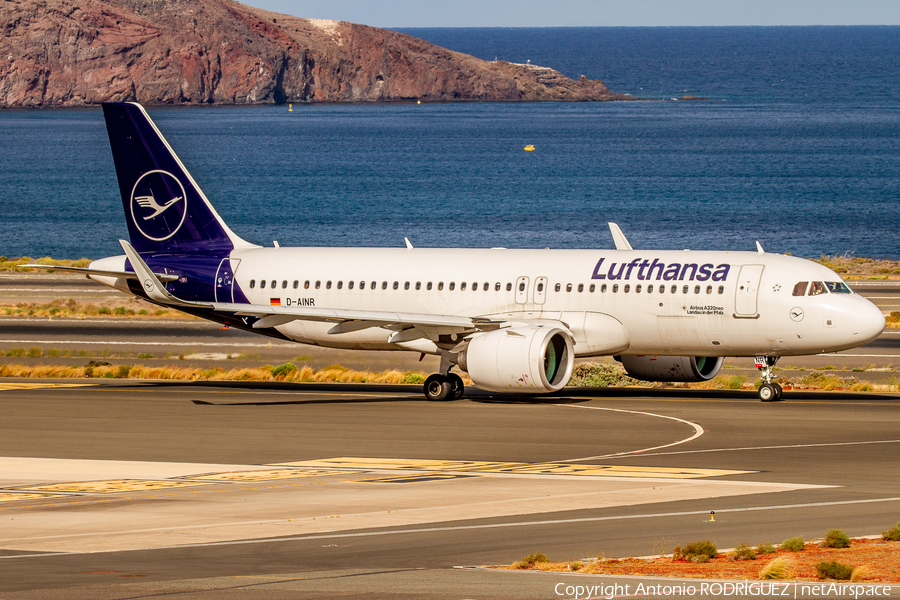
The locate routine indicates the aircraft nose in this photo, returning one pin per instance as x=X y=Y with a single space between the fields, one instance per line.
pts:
x=867 y=321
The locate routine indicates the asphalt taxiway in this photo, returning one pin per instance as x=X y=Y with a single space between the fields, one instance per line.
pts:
x=125 y=489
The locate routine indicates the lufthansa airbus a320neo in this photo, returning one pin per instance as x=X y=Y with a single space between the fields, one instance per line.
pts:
x=514 y=320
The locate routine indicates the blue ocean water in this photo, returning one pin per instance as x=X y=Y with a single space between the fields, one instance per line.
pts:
x=799 y=150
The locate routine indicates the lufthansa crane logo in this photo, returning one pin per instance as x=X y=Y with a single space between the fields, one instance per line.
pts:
x=158 y=205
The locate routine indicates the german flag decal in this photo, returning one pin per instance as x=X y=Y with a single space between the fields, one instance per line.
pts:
x=275 y=301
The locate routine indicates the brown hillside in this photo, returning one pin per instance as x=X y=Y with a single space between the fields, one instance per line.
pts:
x=82 y=52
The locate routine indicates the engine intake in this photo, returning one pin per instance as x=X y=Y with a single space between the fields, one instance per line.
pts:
x=531 y=360
x=672 y=368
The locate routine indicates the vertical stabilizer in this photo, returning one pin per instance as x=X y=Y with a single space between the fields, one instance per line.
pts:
x=165 y=209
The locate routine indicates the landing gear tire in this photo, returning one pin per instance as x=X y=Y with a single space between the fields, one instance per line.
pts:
x=770 y=392
x=438 y=388
x=456 y=385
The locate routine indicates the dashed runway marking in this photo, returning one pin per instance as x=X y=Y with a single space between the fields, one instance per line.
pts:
x=7 y=386
x=468 y=466
x=109 y=486
x=14 y=496
x=267 y=475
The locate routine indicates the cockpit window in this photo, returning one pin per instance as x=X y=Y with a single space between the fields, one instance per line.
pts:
x=800 y=289
x=816 y=288
x=838 y=287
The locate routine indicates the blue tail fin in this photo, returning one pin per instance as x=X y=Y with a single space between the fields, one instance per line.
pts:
x=165 y=209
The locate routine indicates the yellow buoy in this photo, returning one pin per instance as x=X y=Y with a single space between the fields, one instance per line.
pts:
x=529 y=148
x=290 y=108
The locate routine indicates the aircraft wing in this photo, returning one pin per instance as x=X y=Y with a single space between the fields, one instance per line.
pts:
x=100 y=272
x=347 y=320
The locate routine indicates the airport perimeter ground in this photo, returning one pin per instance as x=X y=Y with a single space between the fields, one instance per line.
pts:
x=123 y=489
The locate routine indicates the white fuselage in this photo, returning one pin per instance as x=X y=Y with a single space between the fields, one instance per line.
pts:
x=613 y=301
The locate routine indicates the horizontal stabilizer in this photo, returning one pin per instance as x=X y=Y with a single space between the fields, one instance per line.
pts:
x=100 y=272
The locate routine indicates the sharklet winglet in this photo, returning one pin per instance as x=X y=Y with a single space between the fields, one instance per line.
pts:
x=619 y=238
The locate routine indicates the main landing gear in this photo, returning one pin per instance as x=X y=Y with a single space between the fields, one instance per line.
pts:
x=768 y=391
x=444 y=385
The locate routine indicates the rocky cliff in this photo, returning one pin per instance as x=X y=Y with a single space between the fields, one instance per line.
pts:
x=82 y=52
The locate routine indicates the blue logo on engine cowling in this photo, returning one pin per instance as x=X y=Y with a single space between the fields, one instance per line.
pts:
x=645 y=270
x=158 y=205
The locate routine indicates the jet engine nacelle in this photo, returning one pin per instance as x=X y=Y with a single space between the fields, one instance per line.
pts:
x=531 y=360
x=672 y=368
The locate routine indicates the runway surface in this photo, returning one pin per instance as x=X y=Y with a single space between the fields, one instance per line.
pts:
x=129 y=489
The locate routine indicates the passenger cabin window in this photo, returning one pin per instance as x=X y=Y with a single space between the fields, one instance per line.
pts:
x=428 y=286
x=522 y=287
x=800 y=289
x=580 y=287
x=452 y=285
x=637 y=289
x=615 y=288
x=440 y=285
x=340 y=284
x=306 y=285
x=396 y=285
x=603 y=289
x=837 y=287
x=374 y=285
x=592 y=288
x=296 y=284
x=418 y=285
x=406 y=286
x=262 y=284
x=568 y=287
x=462 y=286
x=627 y=288
x=558 y=287
x=284 y=284
x=721 y=289
x=274 y=284
x=709 y=289
x=650 y=289
x=696 y=289
x=509 y=287
x=384 y=285
x=816 y=288
x=497 y=287
x=350 y=285
x=318 y=284
x=328 y=285
x=540 y=287
x=252 y=283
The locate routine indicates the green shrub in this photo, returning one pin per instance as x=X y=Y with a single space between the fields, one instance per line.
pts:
x=765 y=548
x=413 y=378
x=835 y=538
x=743 y=552
x=892 y=534
x=35 y=352
x=696 y=551
x=145 y=355
x=794 y=544
x=123 y=371
x=284 y=370
x=833 y=570
x=531 y=560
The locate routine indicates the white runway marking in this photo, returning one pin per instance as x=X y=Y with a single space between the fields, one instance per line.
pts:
x=771 y=447
x=413 y=531
x=698 y=431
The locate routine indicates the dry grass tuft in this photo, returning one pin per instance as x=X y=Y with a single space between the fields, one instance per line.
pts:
x=779 y=567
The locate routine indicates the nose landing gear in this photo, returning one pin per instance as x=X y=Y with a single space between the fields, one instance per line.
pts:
x=768 y=391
